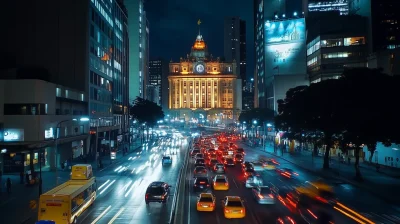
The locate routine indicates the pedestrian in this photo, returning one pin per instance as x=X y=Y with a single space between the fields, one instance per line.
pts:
x=21 y=177
x=8 y=185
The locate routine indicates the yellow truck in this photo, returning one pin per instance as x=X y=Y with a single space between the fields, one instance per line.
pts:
x=66 y=202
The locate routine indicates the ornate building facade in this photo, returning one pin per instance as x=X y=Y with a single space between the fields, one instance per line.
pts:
x=204 y=89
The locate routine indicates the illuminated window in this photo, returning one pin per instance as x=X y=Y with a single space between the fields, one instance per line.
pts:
x=349 y=41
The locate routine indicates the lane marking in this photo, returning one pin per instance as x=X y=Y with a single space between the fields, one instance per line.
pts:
x=107 y=187
x=235 y=182
x=103 y=185
x=116 y=215
x=101 y=215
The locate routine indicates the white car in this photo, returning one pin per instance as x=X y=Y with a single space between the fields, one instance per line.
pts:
x=253 y=181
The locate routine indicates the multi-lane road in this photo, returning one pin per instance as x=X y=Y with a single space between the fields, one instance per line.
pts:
x=355 y=199
x=121 y=187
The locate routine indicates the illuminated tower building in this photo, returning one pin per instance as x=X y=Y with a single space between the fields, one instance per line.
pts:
x=204 y=89
x=280 y=41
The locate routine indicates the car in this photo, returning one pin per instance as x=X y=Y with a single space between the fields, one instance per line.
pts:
x=258 y=166
x=220 y=183
x=248 y=171
x=211 y=152
x=200 y=162
x=233 y=207
x=263 y=195
x=213 y=156
x=219 y=168
x=286 y=172
x=194 y=152
x=199 y=156
x=166 y=160
x=211 y=163
x=205 y=202
x=157 y=191
x=238 y=158
x=201 y=184
x=319 y=191
x=200 y=171
x=253 y=181
x=269 y=165
x=247 y=164
x=229 y=162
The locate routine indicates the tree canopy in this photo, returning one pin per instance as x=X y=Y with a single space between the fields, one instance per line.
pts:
x=355 y=108
x=146 y=111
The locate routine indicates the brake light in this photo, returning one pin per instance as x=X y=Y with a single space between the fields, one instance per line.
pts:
x=202 y=182
x=227 y=210
x=208 y=185
x=271 y=195
x=195 y=185
x=321 y=199
x=215 y=184
x=226 y=184
x=147 y=196
x=241 y=210
x=260 y=196
x=162 y=197
x=198 y=204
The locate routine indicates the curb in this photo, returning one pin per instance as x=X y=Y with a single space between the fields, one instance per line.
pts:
x=371 y=191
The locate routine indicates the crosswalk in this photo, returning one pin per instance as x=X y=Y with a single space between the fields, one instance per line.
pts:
x=382 y=218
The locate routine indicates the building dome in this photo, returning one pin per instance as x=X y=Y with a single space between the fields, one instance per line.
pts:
x=199 y=44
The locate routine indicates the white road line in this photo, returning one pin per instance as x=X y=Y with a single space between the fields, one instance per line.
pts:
x=116 y=215
x=101 y=215
x=235 y=182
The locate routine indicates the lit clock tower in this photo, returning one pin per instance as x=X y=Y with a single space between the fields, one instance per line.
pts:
x=203 y=89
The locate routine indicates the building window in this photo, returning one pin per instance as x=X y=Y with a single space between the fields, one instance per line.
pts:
x=25 y=109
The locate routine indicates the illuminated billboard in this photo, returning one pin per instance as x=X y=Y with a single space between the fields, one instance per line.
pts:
x=285 y=47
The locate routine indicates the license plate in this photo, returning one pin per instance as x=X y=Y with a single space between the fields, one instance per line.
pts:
x=201 y=186
x=236 y=211
x=205 y=206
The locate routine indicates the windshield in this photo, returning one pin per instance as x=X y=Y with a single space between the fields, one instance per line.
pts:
x=265 y=190
x=155 y=191
x=234 y=203
x=220 y=180
x=206 y=199
x=166 y=157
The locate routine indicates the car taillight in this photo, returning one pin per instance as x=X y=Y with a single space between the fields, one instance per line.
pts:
x=271 y=195
x=198 y=204
x=208 y=185
x=162 y=197
x=212 y=205
x=202 y=182
x=147 y=196
x=227 y=210
x=321 y=199
x=195 y=185
x=260 y=196
x=226 y=184
x=215 y=183
x=241 y=210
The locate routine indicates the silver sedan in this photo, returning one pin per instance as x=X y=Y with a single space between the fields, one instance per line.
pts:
x=263 y=195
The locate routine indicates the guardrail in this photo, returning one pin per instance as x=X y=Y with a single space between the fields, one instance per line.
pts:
x=179 y=182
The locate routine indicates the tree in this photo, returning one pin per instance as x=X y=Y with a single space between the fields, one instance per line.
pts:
x=146 y=112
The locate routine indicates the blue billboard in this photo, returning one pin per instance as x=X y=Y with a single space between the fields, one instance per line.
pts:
x=285 y=47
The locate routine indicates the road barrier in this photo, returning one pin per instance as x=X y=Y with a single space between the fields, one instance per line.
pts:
x=180 y=184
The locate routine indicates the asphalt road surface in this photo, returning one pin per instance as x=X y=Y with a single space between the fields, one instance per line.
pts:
x=356 y=199
x=121 y=188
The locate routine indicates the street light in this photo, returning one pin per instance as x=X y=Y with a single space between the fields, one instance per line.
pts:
x=56 y=140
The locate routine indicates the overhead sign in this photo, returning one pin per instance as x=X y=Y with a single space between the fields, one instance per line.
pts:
x=49 y=133
x=13 y=135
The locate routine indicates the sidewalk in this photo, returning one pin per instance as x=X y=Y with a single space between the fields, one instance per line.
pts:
x=383 y=185
x=14 y=207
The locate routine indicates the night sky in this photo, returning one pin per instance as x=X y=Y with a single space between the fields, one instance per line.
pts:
x=173 y=26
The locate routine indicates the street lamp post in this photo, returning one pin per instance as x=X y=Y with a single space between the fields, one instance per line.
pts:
x=56 y=141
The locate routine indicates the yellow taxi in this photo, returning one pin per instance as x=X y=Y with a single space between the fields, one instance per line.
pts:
x=269 y=165
x=220 y=183
x=206 y=202
x=317 y=190
x=233 y=207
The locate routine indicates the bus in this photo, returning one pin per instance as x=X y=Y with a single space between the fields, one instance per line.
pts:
x=66 y=202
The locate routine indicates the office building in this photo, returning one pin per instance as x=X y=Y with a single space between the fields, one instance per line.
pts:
x=78 y=69
x=334 y=44
x=202 y=87
x=153 y=94
x=280 y=51
x=158 y=76
x=235 y=44
x=388 y=60
x=138 y=27
x=383 y=22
